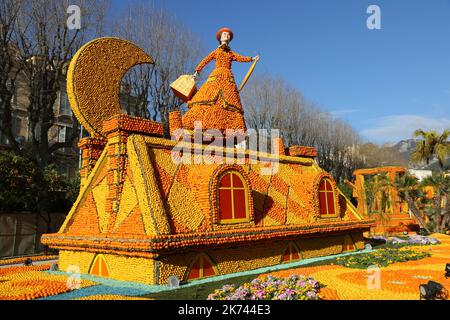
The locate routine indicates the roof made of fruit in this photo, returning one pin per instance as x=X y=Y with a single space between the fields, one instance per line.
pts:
x=167 y=204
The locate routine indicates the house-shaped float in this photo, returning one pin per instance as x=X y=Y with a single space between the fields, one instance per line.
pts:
x=143 y=216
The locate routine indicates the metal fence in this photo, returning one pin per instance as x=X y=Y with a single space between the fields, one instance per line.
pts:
x=20 y=232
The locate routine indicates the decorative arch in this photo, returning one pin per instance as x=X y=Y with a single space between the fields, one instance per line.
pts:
x=99 y=266
x=230 y=192
x=201 y=267
x=292 y=253
x=326 y=196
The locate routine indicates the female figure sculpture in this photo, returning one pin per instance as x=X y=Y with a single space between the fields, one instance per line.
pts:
x=217 y=103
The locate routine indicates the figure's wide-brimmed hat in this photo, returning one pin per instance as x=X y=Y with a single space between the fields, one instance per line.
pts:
x=219 y=33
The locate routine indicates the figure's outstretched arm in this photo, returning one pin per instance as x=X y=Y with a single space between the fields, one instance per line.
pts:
x=239 y=58
x=205 y=61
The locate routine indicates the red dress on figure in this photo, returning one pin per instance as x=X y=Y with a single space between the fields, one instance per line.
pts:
x=217 y=103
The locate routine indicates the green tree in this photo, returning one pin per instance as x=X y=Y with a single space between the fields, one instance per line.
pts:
x=378 y=198
x=439 y=210
x=430 y=145
x=17 y=183
x=346 y=189
x=36 y=46
x=410 y=190
x=20 y=183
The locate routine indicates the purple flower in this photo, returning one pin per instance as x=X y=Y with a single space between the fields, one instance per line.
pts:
x=311 y=295
x=289 y=291
x=228 y=287
x=313 y=283
x=301 y=283
x=293 y=287
x=282 y=296
x=259 y=294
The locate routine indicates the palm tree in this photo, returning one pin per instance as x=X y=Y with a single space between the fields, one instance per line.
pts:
x=409 y=190
x=378 y=197
x=439 y=211
x=432 y=144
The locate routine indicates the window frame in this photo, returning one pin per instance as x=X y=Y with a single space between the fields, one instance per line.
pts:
x=100 y=274
x=316 y=191
x=201 y=258
x=62 y=134
x=64 y=104
x=349 y=244
x=16 y=125
x=327 y=192
x=291 y=247
x=245 y=188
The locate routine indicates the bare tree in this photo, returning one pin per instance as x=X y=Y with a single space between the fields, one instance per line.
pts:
x=46 y=46
x=9 y=67
x=270 y=103
x=37 y=46
x=175 y=50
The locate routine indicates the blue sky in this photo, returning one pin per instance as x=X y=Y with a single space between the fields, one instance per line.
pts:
x=386 y=83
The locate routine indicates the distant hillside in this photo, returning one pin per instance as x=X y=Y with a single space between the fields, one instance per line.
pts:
x=405 y=149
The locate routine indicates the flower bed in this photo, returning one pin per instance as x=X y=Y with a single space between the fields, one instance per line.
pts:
x=381 y=258
x=413 y=240
x=294 y=287
x=404 y=241
x=110 y=297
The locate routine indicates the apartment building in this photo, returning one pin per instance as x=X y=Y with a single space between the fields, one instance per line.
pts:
x=66 y=159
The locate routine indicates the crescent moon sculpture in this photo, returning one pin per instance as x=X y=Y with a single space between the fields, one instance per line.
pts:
x=94 y=77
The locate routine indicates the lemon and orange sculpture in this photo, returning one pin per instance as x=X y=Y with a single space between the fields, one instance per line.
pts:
x=143 y=217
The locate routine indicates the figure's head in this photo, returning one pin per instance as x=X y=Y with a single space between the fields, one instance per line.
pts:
x=224 y=35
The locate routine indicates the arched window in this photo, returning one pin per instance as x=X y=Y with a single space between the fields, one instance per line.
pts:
x=327 y=198
x=99 y=267
x=233 y=198
x=291 y=253
x=201 y=268
x=348 y=244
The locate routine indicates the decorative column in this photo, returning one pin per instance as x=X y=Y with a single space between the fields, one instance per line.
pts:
x=117 y=130
x=91 y=150
x=394 y=193
x=278 y=146
x=175 y=122
x=360 y=193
